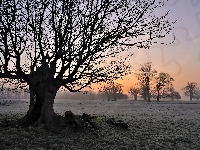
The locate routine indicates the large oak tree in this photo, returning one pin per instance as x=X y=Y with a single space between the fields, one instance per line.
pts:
x=49 y=44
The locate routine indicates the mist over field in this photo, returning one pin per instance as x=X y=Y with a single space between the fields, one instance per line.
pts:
x=103 y=107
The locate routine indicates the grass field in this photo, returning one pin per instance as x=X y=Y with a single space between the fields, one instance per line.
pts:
x=152 y=125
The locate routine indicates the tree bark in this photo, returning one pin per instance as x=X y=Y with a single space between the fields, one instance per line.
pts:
x=32 y=98
x=41 y=112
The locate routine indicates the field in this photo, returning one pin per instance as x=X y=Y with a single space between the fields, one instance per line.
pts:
x=152 y=125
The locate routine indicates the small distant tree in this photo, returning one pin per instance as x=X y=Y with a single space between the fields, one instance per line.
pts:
x=176 y=95
x=108 y=91
x=117 y=89
x=190 y=89
x=134 y=92
x=197 y=93
x=121 y=96
x=162 y=80
x=112 y=89
x=170 y=92
x=145 y=75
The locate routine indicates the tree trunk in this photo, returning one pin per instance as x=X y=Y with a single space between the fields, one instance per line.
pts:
x=42 y=111
x=108 y=96
x=32 y=98
x=115 y=96
x=158 y=96
x=148 y=94
x=191 y=95
x=135 y=97
x=145 y=94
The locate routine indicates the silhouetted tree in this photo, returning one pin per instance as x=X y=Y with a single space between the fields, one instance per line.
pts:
x=176 y=95
x=57 y=43
x=190 y=89
x=112 y=89
x=145 y=75
x=196 y=93
x=161 y=81
x=121 y=96
x=143 y=91
x=108 y=91
x=169 y=92
x=134 y=92
x=117 y=89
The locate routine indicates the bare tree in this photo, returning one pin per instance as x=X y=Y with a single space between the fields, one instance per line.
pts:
x=112 y=89
x=175 y=95
x=56 y=43
x=190 y=89
x=145 y=75
x=108 y=91
x=196 y=93
x=117 y=89
x=161 y=81
x=134 y=91
x=170 y=92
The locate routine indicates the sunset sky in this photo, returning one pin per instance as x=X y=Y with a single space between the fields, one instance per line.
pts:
x=181 y=59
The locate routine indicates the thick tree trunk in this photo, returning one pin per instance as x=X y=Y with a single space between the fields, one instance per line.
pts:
x=41 y=112
x=43 y=89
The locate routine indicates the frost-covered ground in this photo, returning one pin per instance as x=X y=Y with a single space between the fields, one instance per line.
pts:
x=152 y=125
x=123 y=108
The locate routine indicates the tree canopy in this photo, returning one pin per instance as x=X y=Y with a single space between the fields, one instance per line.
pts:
x=50 y=44
x=74 y=37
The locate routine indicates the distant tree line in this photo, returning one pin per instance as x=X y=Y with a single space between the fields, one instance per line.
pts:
x=153 y=84
x=89 y=95
x=113 y=91
x=10 y=93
